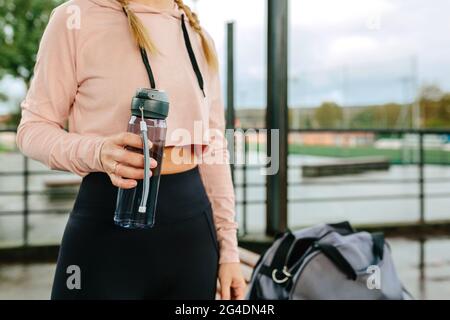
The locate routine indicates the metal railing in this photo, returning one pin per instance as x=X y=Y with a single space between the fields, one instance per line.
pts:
x=420 y=181
x=245 y=168
x=26 y=211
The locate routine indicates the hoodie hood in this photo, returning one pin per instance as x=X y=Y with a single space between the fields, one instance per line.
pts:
x=140 y=7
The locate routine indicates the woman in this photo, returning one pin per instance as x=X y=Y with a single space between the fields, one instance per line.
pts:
x=88 y=68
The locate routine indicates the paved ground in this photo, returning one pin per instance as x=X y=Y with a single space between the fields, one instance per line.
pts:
x=33 y=281
x=26 y=281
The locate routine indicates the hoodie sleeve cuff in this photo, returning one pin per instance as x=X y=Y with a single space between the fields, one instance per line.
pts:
x=228 y=244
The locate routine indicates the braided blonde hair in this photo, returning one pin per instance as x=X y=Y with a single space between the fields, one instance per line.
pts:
x=143 y=39
x=137 y=28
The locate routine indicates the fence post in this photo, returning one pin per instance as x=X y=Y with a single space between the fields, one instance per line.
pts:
x=25 y=202
x=244 y=185
x=421 y=179
x=277 y=113
x=422 y=268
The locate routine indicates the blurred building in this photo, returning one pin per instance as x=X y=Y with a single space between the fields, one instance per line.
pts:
x=347 y=139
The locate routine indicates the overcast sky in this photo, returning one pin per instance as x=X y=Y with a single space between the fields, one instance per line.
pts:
x=351 y=51
x=354 y=52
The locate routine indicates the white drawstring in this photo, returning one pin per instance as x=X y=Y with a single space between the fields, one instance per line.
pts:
x=145 y=186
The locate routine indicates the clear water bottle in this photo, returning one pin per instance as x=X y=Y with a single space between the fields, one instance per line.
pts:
x=135 y=208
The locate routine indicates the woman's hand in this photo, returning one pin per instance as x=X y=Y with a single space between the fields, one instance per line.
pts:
x=232 y=282
x=124 y=167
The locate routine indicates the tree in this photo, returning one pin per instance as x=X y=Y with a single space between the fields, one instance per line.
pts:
x=307 y=122
x=329 y=115
x=431 y=92
x=435 y=107
x=364 y=118
x=22 y=23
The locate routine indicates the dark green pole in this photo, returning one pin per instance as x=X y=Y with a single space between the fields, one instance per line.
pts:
x=230 y=114
x=277 y=113
x=230 y=75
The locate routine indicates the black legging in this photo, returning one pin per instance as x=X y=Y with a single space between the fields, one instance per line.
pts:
x=177 y=259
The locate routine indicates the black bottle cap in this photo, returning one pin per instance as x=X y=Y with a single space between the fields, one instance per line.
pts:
x=154 y=102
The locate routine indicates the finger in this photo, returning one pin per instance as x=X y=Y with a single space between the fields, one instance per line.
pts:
x=135 y=159
x=239 y=292
x=122 y=183
x=109 y=166
x=128 y=172
x=131 y=158
x=225 y=290
x=153 y=163
x=130 y=139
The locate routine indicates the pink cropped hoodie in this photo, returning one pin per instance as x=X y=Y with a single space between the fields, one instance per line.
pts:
x=89 y=67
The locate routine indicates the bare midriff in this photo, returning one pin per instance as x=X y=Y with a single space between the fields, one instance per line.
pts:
x=178 y=159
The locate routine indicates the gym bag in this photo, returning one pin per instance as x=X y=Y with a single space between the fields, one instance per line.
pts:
x=327 y=261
